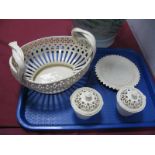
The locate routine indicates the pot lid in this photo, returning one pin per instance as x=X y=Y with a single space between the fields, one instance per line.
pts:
x=86 y=101
x=131 y=99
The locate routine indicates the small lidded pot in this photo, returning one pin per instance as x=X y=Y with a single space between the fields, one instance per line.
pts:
x=130 y=101
x=86 y=102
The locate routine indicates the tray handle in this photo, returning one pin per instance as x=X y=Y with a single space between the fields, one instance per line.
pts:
x=18 y=56
x=79 y=33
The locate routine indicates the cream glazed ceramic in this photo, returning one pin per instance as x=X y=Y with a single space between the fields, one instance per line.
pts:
x=130 y=101
x=86 y=102
x=116 y=72
x=53 y=64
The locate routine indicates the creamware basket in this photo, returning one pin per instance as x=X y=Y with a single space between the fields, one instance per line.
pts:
x=53 y=64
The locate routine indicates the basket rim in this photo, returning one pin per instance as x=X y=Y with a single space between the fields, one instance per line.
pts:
x=46 y=37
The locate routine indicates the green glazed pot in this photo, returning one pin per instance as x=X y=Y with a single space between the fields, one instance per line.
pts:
x=104 y=30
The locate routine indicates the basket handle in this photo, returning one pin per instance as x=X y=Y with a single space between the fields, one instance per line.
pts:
x=79 y=33
x=18 y=56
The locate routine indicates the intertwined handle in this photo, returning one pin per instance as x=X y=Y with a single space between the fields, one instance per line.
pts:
x=79 y=33
x=18 y=57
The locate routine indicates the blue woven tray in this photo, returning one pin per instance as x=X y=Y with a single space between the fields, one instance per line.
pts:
x=38 y=111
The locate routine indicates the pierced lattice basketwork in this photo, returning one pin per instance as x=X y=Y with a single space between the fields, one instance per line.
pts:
x=130 y=100
x=86 y=102
x=53 y=64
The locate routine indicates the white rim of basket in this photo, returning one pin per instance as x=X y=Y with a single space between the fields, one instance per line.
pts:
x=46 y=37
x=123 y=106
x=27 y=44
x=114 y=87
x=81 y=112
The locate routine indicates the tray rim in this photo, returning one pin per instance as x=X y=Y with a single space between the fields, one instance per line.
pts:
x=151 y=89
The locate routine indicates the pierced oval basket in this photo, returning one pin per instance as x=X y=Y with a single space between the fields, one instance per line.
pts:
x=53 y=64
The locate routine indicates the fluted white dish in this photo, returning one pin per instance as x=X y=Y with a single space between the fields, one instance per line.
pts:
x=116 y=72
